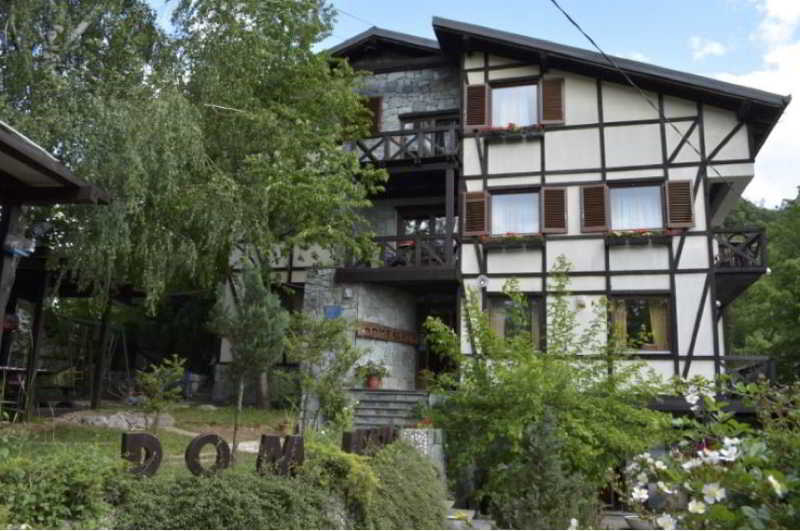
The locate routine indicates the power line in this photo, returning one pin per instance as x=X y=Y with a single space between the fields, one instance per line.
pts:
x=630 y=81
x=343 y=12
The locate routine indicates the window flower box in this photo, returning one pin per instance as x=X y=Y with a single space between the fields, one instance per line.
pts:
x=512 y=241
x=638 y=238
x=512 y=132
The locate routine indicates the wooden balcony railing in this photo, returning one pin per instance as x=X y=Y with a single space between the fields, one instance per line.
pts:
x=748 y=369
x=740 y=249
x=418 y=250
x=408 y=145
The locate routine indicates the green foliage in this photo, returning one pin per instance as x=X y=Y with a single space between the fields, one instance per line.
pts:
x=396 y=489
x=158 y=386
x=57 y=487
x=349 y=475
x=724 y=474
x=536 y=491
x=236 y=499
x=255 y=324
x=597 y=396
x=371 y=368
x=326 y=353
x=763 y=321
x=410 y=495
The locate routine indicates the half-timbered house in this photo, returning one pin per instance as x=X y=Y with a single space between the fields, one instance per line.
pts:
x=505 y=152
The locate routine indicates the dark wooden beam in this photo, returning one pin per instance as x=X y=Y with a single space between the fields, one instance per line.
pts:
x=10 y=224
x=51 y=194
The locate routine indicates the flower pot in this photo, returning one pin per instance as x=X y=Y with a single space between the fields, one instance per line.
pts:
x=373 y=382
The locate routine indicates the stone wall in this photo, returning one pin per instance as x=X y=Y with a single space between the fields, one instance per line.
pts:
x=375 y=303
x=432 y=89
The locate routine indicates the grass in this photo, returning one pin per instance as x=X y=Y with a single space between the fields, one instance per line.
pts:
x=189 y=417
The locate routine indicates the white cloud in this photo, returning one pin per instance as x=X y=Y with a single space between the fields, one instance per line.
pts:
x=635 y=56
x=777 y=162
x=781 y=19
x=702 y=47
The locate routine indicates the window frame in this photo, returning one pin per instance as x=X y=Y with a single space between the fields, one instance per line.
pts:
x=511 y=191
x=536 y=298
x=533 y=81
x=646 y=348
x=661 y=184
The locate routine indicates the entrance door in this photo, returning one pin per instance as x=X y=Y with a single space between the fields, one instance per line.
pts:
x=428 y=361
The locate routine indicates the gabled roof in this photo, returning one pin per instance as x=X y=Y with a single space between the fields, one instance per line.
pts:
x=376 y=34
x=454 y=36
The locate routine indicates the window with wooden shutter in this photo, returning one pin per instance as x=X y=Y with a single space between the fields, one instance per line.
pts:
x=554 y=210
x=594 y=208
x=476 y=215
x=679 y=204
x=476 y=107
x=375 y=105
x=552 y=101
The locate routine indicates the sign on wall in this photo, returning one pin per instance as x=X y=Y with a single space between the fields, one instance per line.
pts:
x=369 y=330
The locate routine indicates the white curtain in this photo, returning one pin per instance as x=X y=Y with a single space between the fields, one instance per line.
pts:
x=637 y=207
x=516 y=213
x=514 y=105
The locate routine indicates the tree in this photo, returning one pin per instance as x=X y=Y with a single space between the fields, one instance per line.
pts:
x=230 y=133
x=255 y=324
x=591 y=394
x=764 y=320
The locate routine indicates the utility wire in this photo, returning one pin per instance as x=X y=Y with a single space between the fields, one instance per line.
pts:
x=633 y=84
x=343 y=12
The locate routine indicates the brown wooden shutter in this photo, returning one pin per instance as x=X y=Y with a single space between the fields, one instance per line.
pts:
x=552 y=97
x=476 y=107
x=594 y=208
x=679 y=204
x=375 y=105
x=476 y=213
x=554 y=210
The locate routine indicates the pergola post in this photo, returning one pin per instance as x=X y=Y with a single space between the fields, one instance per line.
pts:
x=33 y=359
x=10 y=224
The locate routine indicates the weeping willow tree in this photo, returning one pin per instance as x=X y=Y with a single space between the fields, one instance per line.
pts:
x=228 y=132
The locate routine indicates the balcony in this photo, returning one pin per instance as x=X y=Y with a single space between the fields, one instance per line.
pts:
x=739 y=261
x=408 y=259
x=405 y=146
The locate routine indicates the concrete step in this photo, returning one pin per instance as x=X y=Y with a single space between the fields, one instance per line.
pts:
x=375 y=422
x=385 y=411
x=411 y=397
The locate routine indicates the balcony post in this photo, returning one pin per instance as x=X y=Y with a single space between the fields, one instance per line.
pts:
x=449 y=198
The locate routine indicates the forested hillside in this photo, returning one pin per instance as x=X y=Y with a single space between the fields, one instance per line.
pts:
x=765 y=320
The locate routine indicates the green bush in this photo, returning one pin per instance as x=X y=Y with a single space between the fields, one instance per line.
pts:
x=236 y=499
x=537 y=491
x=284 y=388
x=411 y=494
x=57 y=488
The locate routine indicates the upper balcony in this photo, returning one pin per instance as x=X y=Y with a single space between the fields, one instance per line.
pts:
x=414 y=146
x=407 y=259
x=740 y=259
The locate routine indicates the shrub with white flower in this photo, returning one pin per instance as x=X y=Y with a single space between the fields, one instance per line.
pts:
x=725 y=474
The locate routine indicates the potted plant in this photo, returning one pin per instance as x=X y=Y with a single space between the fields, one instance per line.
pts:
x=372 y=373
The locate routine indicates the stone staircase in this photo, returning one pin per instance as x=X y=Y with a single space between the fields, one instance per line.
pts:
x=384 y=407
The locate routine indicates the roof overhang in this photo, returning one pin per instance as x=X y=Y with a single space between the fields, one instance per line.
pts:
x=30 y=175
x=758 y=108
x=379 y=36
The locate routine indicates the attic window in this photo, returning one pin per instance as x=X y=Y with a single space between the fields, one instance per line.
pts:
x=515 y=105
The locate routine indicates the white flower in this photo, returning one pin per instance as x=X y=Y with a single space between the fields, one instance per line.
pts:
x=573 y=524
x=665 y=521
x=633 y=467
x=660 y=465
x=779 y=489
x=729 y=453
x=697 y=507
x=727 y=441
x=709 y=456
x=641 y=478
x=639 y=494
x=663 y=487
x=713 y=493
x=692 y=398
x=691 y=463
x=687 y=486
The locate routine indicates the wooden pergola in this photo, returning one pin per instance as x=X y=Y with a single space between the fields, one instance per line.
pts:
x=29 y=175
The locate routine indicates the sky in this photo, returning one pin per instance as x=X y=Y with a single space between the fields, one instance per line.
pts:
x=749 y=42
